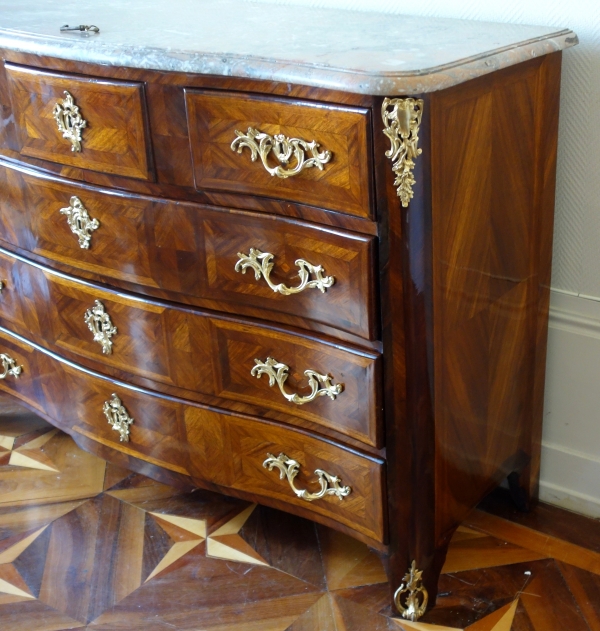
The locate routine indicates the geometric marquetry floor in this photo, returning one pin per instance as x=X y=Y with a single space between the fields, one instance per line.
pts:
x=87 y=545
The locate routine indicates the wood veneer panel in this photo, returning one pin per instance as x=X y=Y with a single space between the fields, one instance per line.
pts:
x=344 y=182
x=194 y=351
x=209 y=445
x=491 y=181
x=190 y=250
x=115 y=137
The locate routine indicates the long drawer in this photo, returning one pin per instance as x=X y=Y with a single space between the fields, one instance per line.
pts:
x=196 y=253
x=209 y=445
x=303 y=377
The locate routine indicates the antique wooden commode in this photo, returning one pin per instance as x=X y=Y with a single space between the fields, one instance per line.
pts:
x=297 y=256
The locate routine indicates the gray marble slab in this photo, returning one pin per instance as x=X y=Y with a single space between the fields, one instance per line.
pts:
x=364 y=52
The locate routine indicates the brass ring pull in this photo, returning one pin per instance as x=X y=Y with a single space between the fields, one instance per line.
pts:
x=10 y=366
x=330 y=484
x=118 y=417
x=100 y=324
x=282 y=148
x=278 y=372
x=80 y=222
x=262 y=264
x=69 y=121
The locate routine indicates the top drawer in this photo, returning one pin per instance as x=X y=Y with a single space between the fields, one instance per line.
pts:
x=311 y=153
x=103 y=123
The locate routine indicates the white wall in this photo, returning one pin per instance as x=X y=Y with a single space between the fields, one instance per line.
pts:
x=571 y=449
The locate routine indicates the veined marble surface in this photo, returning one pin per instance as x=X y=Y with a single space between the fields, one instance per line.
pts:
x=368 y=53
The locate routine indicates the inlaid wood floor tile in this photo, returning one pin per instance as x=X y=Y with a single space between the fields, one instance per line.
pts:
x=33 y=615
x=551 y=520
x=51 y=471
x=348 y=563
x=12 y=583
x=585 y=588
x=137 y=555
x=225 y=542
x=470 y=553
x=206 y=593
x=287 y=543
x=137 y=489
x=539 y=542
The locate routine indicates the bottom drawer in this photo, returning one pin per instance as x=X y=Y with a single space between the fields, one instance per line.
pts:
x=317 y=478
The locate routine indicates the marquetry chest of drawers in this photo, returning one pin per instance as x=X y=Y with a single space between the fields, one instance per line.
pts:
x=317 y=284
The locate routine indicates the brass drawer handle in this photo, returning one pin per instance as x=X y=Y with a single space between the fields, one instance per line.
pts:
x=69 y=121
x=279 y=373
x=10 y=366
x=100 y=324
x=330 y=484
x=79 y=221
x=117 y=416
x=262 y=264
x=282 y=148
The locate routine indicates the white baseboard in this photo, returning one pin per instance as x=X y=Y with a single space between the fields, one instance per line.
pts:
x=570 y=473
x=570 y=480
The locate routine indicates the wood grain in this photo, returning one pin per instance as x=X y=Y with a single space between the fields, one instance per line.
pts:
x=344 y=182
x=490 y=277
x=188 y=252
x=210 y=446
x=193 y=351
x=114 y=139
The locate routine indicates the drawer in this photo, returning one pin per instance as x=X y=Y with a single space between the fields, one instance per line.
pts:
x=194 y=351
x=189 y=252
x=212 y=446
x=103 y=123
x=302 y=151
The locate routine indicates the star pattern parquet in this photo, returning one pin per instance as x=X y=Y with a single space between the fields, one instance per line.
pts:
x=104 y=549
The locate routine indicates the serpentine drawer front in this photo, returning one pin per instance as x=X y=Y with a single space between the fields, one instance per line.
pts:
x=213 y=447
x=199 y=253
x=308 y=271
x=294 y=150
x=194 y=350
x=89 y=123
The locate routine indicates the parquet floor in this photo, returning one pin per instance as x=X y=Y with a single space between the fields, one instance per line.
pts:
x=86 y=545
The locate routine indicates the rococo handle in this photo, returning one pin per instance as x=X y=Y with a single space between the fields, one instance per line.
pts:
x=278 y=373
x=262 y=264
x=69 y=121
x=282 y=148
x=288 y=468
x=9 y=366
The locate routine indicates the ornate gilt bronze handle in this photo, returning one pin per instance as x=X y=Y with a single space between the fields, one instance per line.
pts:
x=117 y=416
x=279 y=373
x=10 y=366
x=100 y=324
x=330 y=484
x=69 y=121
x=80 y=222
x=262 y=264
x=282 y=148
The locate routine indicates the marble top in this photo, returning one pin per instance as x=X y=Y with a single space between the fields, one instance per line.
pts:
x=363 y=52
